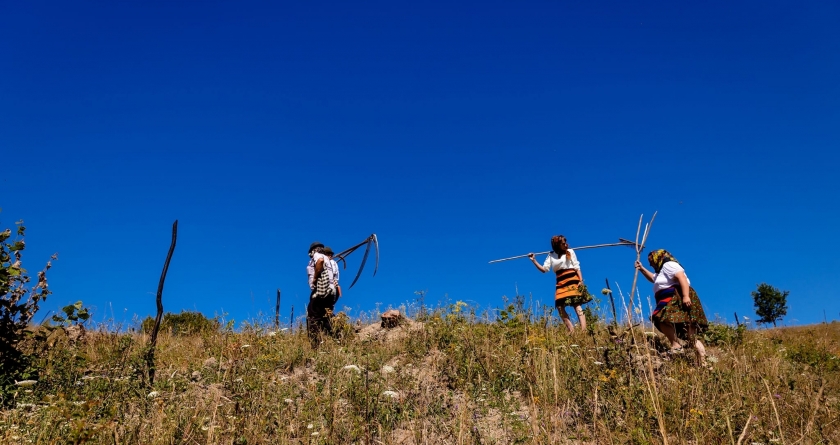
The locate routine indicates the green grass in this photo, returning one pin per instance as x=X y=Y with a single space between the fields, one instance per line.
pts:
x=457 y=381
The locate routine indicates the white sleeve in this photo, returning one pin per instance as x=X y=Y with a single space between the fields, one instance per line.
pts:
x=670 y=269
x=547 y=263
x=573 y=259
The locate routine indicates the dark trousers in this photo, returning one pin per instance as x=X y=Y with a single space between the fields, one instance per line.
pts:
x=318 y=313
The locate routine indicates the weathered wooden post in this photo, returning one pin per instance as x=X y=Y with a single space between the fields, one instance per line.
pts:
x=277 y=312
x=612 y=301
x=150 y=355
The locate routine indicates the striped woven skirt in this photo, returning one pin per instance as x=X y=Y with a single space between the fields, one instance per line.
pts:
x=567 y=291
x=670 y=309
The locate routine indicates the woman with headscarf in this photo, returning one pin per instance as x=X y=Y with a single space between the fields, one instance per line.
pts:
x=566 y=267
x=678 y=312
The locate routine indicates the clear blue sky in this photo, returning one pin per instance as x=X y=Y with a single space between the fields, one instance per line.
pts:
x=458 y=132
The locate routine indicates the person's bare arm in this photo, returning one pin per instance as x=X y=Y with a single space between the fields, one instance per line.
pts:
x=648 y=274
x=533 y=259
x=685 y=289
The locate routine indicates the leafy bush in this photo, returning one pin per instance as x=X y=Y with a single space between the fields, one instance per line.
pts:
x=74 y=314
x=19 y=302
x=185 y=323
x=719 y=334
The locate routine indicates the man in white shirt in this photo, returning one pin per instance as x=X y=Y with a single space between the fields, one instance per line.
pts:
x=322 y=294
x=334 y=271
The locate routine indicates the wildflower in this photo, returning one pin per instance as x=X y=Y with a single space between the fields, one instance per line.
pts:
x=574 y=346
x=387 y=369
x=25 y=382
x=244 y=346
x=605 y=291
x=777 y=396
x=310 y=426
x=288 y=400
x=712 y=359
x=391 y=394
x=272 y=334
x=153 y=394
x=314 y=433
x=352 y=368
x=598 y=363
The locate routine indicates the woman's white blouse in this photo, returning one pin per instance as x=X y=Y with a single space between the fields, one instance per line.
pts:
x=567 y=261
x=667 y=276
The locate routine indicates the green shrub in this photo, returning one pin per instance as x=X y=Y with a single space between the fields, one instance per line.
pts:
x=719 y=334
x=19 y=302
x=185 y=323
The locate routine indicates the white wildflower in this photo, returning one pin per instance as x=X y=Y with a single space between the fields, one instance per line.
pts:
x=310 y=426
x=391 y=394
x=315 y=433
x=153 y=394
x=272 y=334
x=574 y=346
x=288 y=400
x=244 y=346
x=352 y=368
x=387 y=369
x=712 y=359
x=606 y=291
x=598 y=363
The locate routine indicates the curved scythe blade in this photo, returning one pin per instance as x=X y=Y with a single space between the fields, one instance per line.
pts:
x=362 y=266
x=376 y=243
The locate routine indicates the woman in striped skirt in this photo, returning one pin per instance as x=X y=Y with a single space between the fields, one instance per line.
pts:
x=678 y=313
x=563 y=262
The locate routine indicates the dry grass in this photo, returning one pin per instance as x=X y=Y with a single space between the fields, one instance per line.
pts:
x=455 y=380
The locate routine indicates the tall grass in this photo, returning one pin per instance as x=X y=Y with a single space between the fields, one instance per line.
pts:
x=449 y=377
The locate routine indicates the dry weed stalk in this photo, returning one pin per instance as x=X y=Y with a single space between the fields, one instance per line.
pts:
x=650 y=379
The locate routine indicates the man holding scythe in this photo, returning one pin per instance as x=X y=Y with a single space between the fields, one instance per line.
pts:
x=322 y=294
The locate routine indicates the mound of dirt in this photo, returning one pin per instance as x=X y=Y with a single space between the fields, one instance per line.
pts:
x=375 y=331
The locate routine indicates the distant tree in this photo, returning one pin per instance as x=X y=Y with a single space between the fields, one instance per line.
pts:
x=770 y=303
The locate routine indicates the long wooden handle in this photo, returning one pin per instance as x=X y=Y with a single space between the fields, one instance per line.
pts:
x=622 y=242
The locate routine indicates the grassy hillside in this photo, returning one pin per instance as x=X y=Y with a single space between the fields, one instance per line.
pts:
x=444 y=378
